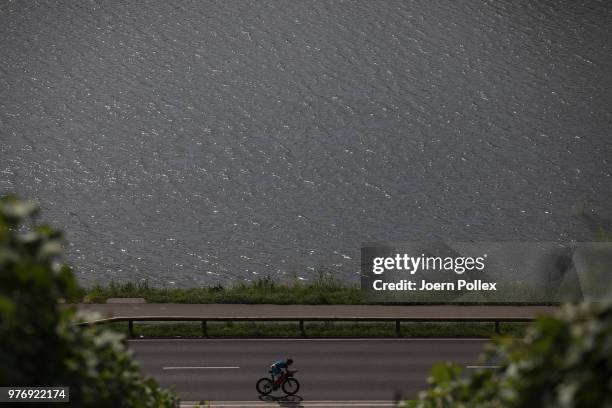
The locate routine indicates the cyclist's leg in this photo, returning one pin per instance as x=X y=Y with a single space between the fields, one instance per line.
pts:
x=275 y=377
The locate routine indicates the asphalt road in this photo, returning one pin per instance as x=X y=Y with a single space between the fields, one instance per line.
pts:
x=348 y=370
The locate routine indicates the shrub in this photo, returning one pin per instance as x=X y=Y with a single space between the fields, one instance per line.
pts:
x=40 y=343
x=564 y=360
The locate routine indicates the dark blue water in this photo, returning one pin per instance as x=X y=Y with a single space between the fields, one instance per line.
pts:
x=200 y=142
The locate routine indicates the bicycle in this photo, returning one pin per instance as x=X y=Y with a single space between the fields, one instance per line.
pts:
x=289 y=384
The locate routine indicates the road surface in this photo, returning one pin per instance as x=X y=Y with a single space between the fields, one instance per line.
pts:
x=348 y=370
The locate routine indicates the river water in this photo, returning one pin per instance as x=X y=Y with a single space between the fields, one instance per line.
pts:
x=203 y=142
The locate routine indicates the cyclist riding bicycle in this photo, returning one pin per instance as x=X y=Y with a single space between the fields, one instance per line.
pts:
x=279 y=369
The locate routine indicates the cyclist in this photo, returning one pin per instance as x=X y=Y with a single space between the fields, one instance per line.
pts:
x=277 y=371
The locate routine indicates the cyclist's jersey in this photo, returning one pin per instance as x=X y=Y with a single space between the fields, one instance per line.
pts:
x=278 y=367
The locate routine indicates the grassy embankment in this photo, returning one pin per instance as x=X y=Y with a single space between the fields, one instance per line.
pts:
x=323 y=291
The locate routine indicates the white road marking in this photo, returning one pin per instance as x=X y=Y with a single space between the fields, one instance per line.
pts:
x=201 y=368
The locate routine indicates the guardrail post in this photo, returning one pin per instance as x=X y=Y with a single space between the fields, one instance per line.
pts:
x=302 y=328
x=398 y=328
x=497 y=327
x=131 y=328
x=204 y=328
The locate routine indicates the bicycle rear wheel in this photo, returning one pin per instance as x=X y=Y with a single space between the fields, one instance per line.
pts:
x=291 y=386
x=264 y=386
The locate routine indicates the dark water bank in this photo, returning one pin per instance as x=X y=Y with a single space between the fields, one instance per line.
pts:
x=203 y=142
x=321 y=291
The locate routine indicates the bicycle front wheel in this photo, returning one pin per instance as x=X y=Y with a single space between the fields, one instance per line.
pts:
x=291 y=386
x=264 y=386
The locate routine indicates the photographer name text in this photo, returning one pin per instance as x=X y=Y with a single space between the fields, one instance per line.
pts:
x=423 y=285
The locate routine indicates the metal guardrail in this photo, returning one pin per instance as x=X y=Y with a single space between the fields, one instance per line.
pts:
x=301 y=320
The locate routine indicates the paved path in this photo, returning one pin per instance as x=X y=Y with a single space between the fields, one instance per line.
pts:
x=305 y=311
x=375 y=370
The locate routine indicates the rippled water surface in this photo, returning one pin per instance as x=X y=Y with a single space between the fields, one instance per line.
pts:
x=211 y=141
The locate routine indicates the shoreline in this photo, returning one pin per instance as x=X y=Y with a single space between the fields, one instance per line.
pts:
x=323 y=291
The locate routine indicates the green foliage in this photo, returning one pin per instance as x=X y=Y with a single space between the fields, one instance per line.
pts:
x=323 y=290
x=563 y=360
x=40 y=345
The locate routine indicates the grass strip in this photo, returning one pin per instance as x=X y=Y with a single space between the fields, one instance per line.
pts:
x=325 y=290
x=318 y=330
